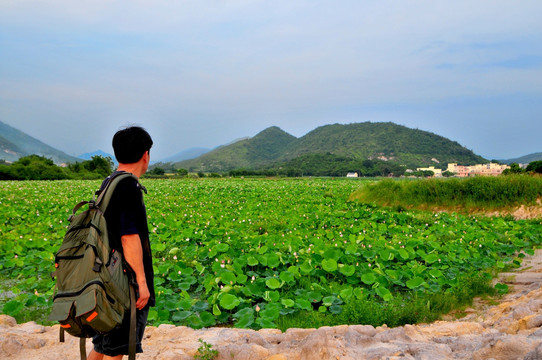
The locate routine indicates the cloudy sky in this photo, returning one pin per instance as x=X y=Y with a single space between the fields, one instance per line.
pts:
x=202 y=73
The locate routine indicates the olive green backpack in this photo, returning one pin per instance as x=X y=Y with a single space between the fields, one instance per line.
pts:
x=93 y=287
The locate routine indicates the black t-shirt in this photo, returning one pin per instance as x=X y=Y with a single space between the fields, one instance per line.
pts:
x=126 y=215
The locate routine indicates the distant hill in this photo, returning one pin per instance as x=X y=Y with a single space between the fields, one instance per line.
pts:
x=186 y=155
x=524 y=159
x=15 y=144
x=387 y=142
x=251 y=153
x=88 y=156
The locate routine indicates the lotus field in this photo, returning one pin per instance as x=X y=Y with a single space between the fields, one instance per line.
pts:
x=244 y=253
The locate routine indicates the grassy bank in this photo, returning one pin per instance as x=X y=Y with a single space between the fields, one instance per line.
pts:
x=406 y=308
x=469 y=193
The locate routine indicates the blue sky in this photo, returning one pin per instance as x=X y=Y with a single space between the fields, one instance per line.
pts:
x=203 y=73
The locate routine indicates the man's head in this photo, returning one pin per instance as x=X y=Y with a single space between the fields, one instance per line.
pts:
x=130 y=144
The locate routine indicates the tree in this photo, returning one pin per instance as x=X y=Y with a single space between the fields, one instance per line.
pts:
x=99 y=164
x=35 y=167
x=182 y=172
x=157 y=171
x=514 y=169
x=535 y=166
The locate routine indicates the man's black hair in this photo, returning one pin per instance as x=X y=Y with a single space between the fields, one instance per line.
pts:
x=130 y=144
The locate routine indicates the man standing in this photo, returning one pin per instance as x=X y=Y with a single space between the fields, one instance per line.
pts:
x=128 y=232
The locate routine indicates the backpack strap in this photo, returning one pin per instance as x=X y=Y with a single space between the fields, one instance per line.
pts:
x=132 y=337
x=83 y=348
x=104 y=195
x=76 y=208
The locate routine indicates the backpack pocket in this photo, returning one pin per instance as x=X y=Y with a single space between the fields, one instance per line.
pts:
x=87 y=314
x=95 y=311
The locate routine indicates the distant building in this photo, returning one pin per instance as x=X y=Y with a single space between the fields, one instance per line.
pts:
x=352 y=175
x=491 y=169
x=437 y=172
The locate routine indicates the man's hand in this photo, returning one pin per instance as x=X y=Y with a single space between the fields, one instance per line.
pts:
x=133 y=253
x=144 y=295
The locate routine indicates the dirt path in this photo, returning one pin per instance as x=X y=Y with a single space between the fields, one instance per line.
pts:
x=509 y=329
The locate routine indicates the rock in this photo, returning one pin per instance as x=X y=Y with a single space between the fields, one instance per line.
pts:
x=315 y=346
x=536 y=354
x=277 y=357
x=31 y=328
x=366 y=330
x=429 y=351
x=521 y=311
x=393 y=334
x=174 y=355
x=530 y=322
x=460 y=328
x=298 y=334
x=7 y=320
x=507 y=348
x=10 y=346
x=34 y=343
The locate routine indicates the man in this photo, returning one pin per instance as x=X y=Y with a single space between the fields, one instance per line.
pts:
x=127 y=226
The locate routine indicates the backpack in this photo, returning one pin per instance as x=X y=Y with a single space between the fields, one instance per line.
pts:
x=94 y=287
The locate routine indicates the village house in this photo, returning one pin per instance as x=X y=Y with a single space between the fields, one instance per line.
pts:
x=436 y=172
x=491 y=169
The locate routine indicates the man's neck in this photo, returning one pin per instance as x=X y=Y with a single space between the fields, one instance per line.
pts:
x=131 y=168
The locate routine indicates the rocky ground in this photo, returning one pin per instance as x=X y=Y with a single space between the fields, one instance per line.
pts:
x=510 y=330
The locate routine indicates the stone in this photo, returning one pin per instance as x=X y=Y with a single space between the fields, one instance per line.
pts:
x=7 y=320
x=298 y=334
x=536 y=354
x=31 y=328
x=459 y=328
x=34 y=343
x=506 y=348
x=10 y=346
x=174 y=355
x=530 y=322
x=277 y=357
x=392 y=334
x=366 y=330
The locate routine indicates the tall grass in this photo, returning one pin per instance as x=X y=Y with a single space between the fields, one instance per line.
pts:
x=411 y=308
x=476 y=192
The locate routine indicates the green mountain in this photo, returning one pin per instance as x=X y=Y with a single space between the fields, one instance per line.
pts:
x=524 y=159
x=328 y=145
x=250 y=153
x=15 y=144
x=384 y=141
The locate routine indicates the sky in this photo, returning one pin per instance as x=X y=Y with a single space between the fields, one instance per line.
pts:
x=203 y=73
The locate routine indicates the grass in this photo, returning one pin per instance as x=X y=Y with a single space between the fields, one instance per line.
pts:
x=488 y=193
x=402 y=309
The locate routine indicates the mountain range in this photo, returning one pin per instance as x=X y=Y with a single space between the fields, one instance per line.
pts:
x=359 y=141
x=273 y=147
x=524 y=159
x=15 y=144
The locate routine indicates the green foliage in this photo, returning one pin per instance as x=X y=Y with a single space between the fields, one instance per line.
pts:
x=158 y=171
x=535 y=166
x=35 y=167
x=403 y=308
x=249 y=253
x=205 y=351
x=473 y=192
x=514 y=169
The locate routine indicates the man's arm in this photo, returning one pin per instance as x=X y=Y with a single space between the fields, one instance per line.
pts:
x=133 y=253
